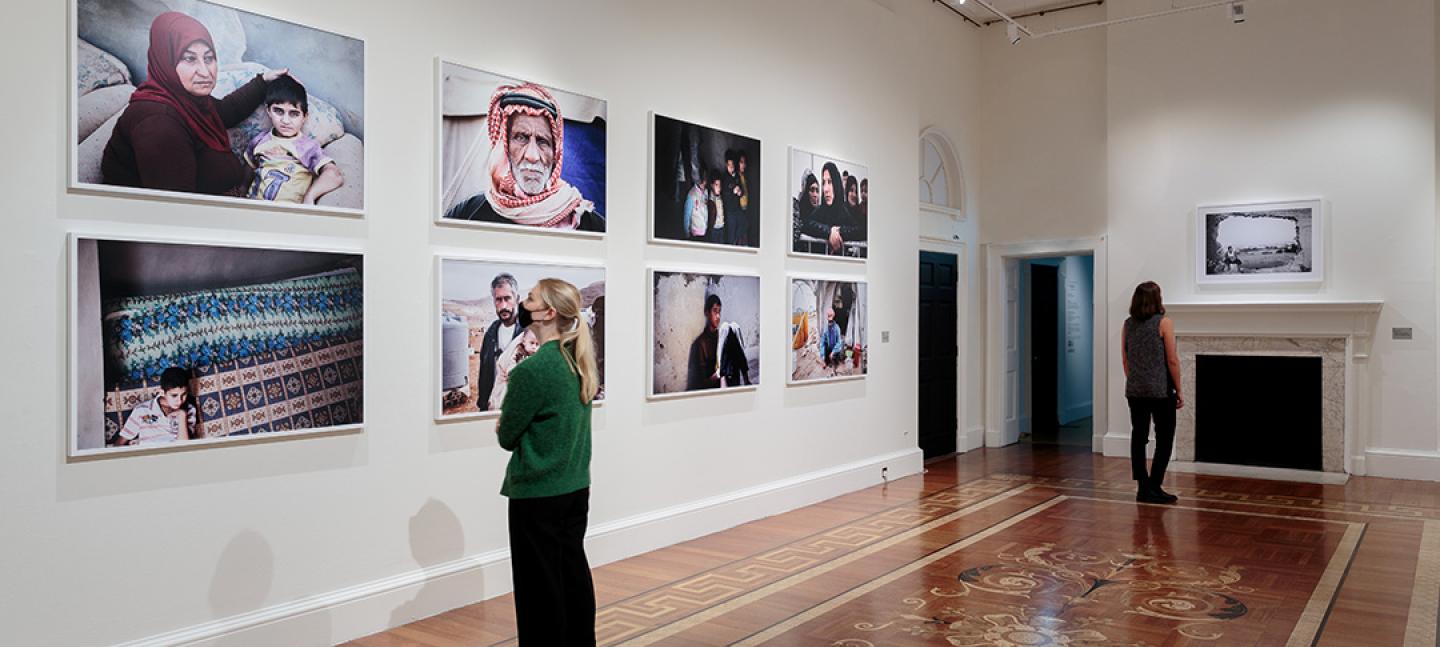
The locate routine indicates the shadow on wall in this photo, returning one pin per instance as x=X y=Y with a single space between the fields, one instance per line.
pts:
x=243 y=577
x=436 y=538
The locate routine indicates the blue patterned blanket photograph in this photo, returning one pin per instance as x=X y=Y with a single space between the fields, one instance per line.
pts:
x=270 y=340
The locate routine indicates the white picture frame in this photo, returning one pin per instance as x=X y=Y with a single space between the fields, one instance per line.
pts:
x=73 y=428
x=438 y=206
x=436 y=318
x=795 y=170
x=1280 y=243
x=862 y=325
x=652 y=190
x=74 y=184
x=650 y=340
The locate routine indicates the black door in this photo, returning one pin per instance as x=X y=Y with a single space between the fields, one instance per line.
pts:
x=938 y=354
x=1044 y=374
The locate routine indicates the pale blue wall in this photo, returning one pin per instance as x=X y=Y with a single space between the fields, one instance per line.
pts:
x=1075 y=363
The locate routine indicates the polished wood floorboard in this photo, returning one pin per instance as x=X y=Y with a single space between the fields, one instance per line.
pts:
x=1029 y=545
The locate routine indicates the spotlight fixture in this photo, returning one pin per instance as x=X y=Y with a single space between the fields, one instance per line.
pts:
x=1237 y=12
x=1012 y=32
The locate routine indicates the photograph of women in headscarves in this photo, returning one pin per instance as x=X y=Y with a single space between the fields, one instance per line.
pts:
x=206 y=100
x=519 y=154
x=707 y=186
x=830 y=207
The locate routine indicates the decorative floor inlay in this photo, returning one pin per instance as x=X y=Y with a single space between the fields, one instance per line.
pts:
x=1014 y=560
x=639 y=613
x=1114 y=579
x=1414 y=513
x=971 y=553
x=1425 y=600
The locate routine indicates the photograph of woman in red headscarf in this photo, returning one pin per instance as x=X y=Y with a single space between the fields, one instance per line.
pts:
x=519 y=154
x=210 y=103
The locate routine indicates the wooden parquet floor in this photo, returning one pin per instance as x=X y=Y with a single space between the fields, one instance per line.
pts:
x=1026 y=546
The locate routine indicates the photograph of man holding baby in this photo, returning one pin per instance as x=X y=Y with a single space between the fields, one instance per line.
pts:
x=192 y=97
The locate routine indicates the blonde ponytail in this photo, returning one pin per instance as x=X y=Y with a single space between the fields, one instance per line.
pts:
x=577 y=345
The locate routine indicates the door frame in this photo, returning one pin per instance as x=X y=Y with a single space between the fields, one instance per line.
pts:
x=965 y=439
x=1000 y=326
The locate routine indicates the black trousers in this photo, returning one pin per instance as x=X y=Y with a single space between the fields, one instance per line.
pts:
x=1142 y=411
x=554 y=595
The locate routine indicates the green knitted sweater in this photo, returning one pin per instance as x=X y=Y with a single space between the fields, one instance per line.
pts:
x=546 y=427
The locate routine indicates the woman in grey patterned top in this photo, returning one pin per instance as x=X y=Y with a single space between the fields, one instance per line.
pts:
x=1152 y=387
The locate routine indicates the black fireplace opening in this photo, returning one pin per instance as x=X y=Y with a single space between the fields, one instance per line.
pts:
x=1259 y=410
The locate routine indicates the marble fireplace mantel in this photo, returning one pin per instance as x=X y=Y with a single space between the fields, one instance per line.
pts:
x=1352 y=319
x=1340 y=332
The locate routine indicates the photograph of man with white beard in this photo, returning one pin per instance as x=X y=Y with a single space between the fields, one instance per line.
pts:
x=483 y=327
x=516 y=154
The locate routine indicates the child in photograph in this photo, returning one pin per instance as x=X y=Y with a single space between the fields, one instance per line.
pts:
x=167 y=418
x=290 y=166
x=522 y=347
x=832 y=345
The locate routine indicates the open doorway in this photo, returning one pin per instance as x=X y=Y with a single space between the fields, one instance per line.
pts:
x=1056 y=328
x=1081 y=334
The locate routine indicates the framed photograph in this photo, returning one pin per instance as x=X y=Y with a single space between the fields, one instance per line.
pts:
x=178 y=345
x=704 y=332
x=1281 y=242
x=706 y=186
x=829 y=329
x=829 y=207
x=519 y=155
x=251 y=110
x=480 y=336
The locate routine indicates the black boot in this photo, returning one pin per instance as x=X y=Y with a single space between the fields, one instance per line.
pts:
x=1161 y=495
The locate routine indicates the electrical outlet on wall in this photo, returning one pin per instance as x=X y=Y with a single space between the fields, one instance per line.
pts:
x=884 y=336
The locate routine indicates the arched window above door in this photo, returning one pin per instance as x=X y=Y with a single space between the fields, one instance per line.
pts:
x=942 y=188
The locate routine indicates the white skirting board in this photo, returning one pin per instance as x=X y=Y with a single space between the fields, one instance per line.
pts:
x=371 y=607
x=1403 y=464
x=1409 y=464
x=974 y=438
x=1268 y=473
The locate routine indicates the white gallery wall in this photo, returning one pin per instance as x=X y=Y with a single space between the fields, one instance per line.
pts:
x=1309 y=98
x=328 y=538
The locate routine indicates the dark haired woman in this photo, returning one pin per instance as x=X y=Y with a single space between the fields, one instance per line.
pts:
x=173 y=134
x=803 y=206
x=832 y=221
x=1152 y=387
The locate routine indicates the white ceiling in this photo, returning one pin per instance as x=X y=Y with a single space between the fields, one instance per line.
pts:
x=1011 y=7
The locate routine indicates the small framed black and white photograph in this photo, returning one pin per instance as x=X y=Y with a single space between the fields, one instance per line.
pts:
x=1279 y=242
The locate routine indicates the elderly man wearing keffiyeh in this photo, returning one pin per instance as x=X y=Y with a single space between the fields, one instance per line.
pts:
x=527 y=136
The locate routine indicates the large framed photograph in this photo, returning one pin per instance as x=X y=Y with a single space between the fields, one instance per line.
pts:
x=201 y=101
x=829 y=329
x=829 y=207
x=178 y=345
x=481 y=337
x=706 y=186
x=519 y=155
x=704 y=332
x=1281 y=242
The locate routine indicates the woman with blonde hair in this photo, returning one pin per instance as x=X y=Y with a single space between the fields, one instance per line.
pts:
x=545 y=424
